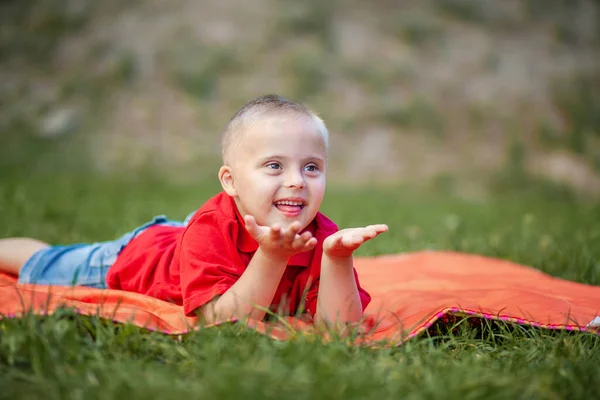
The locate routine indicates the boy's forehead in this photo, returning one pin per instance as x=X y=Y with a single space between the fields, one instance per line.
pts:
x=277 y=132
x=280 y=126
x=282 y=122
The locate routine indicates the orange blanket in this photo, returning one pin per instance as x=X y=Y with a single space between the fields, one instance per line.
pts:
x=410 y=292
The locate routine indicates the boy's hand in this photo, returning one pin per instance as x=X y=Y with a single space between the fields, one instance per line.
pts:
x=280 y=242
x=344 y=242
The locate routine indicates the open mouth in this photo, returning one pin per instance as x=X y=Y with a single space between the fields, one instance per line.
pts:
x=290 y=206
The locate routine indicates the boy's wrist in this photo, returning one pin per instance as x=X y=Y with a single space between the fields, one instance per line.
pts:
x=274 y=256
x=338 y=260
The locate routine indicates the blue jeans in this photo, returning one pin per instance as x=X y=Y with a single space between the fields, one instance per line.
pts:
x=83 y=264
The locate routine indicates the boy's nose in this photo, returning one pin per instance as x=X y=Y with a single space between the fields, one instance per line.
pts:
x=295 y=180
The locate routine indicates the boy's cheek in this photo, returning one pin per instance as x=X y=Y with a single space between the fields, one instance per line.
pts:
x=319 y=191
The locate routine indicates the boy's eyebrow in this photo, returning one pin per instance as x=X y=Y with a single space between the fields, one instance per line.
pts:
x=283 y=158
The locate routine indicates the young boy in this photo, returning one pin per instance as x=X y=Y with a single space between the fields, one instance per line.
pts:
x=260 y=244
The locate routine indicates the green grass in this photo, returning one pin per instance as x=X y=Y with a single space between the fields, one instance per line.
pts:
x=70 y=356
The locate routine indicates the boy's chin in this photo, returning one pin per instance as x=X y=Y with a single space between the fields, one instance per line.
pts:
x=285 y=223
x=304 y=221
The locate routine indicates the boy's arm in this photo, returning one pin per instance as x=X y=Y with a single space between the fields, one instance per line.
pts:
x=338 y=300
x=252 y=294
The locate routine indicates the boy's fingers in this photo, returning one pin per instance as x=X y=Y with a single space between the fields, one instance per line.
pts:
x=373 y=233
x=379 y=228
x=366 y=233
x=288 y=235
x=358 y=239
x=353 y=239
x=338 y=240
x=300 y=240
x=345 y=240
x=306 y=236
x=251 y=226
x=275 y=232
x=291 y=232
x=312 y=242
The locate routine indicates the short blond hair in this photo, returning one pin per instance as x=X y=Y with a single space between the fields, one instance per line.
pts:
x=259 y=109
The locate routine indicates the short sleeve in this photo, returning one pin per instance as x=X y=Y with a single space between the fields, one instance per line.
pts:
x=209 y=259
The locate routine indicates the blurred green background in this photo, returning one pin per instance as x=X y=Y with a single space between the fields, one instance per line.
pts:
x=465 y=125
x=469 y=97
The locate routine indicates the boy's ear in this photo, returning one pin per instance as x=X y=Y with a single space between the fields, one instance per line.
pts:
x=227 y=181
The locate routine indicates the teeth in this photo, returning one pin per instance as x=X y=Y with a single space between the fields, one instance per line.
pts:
x=289 y=203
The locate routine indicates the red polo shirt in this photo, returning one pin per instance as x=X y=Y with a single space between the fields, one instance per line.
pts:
x=191 y=265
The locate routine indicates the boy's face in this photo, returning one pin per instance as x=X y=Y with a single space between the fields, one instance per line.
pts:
x=278 y=171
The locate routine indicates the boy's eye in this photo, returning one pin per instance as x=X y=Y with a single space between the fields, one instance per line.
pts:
x=311 y=168
x=273 y=166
